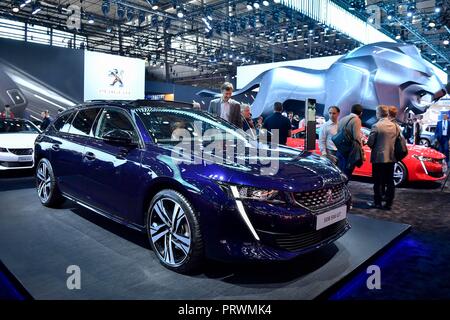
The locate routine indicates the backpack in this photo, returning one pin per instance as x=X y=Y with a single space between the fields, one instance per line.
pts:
x=343 y=139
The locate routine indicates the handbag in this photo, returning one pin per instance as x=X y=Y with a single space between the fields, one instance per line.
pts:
x=400 y=148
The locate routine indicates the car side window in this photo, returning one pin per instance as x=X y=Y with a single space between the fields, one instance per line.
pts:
x=112 y=119
x=62 y=124
x=83 y=121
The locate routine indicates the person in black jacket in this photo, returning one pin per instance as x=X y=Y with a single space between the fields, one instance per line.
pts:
x=277 y=123
x=46 y=120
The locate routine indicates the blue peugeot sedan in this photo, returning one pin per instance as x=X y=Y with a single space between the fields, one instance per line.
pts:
x=123 y=161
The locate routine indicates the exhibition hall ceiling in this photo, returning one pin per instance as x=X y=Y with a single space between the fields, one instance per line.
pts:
x=203 y=42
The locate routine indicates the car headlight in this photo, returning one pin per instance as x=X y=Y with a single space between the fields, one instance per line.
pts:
x=422 y=158
x=3 y=149
x=251 y=193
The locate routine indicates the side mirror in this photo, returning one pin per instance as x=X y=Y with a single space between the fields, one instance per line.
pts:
x=119 y=137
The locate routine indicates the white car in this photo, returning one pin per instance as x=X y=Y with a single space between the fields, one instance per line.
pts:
x=17 y=138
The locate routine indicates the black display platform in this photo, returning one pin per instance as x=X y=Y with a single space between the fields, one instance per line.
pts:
x=37 y=245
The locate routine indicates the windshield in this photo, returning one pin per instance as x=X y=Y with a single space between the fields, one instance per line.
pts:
x=17 y=126
x=167 y=125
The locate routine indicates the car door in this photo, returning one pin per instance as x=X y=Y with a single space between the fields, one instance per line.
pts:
x=70 y=152
x=59 y=147
x=112 y=168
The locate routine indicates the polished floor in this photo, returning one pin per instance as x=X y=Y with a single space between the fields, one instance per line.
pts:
x=415 y=267
x=37 y=245
x=418 y=266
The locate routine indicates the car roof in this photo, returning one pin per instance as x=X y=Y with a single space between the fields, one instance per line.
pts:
x=132 y=104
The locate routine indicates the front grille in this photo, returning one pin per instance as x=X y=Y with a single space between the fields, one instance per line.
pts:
x=11 y=164
x=436 y=174
x=21 y=152
x=320 y=199
x=295 y=242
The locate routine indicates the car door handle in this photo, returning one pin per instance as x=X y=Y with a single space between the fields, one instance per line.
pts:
x=89 y=156
x=122 y=154
x=56 y=147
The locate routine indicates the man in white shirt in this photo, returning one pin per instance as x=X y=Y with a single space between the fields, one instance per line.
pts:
x=328 y=130
x=443 y=135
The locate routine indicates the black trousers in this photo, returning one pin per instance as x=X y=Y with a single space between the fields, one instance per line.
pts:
x=383 y=177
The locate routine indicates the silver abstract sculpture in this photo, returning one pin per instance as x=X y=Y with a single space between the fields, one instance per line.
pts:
x=374 y=74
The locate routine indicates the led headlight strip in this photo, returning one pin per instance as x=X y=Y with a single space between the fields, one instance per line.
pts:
x=242 y=212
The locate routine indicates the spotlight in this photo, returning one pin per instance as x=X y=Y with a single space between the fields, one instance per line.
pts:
x=446 y=42
x=437 y=10
x=15 y=7
x=120 y=11
x=389 y=17
x=141 y=17
x=154 y=4
x=154 y=20
x=409 y=14
x=276 y=1
x=249 y=6
x=36 y=8
x=106 y=7
x=265 y=3
x=91 y=21
x=432 y=24
x=24 y=3
x=130 y=14
x=256 y=5
x=180 y=13
x=167 y=23
x=398 y=37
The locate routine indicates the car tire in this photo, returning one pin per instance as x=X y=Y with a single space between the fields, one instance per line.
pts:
x=425 y=142
x=174 y=233
x=46 y=185
x=400 y=174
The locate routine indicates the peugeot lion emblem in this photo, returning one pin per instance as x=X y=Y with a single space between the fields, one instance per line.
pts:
x=329 y=195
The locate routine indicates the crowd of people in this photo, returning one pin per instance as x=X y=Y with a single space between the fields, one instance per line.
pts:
x=339 y=138
x=240 y=115
x=45 y=117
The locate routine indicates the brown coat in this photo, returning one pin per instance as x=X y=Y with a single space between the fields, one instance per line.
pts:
x=382 y=141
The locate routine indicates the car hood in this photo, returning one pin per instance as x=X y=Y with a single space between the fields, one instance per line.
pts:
x=288 y=170
x=17 y=140
x=424 y=151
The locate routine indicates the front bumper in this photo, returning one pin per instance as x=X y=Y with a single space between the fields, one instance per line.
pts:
x=10 y=161
x=427 y=171
x=283 y=231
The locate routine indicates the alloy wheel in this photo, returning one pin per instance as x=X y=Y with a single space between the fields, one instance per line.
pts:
x=170 y=231
x=399 y=174
x=44 y=182
x=424 y=142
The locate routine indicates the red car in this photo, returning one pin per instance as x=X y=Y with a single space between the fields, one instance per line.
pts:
x=421 y=163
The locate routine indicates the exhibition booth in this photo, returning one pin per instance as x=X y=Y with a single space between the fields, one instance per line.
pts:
x=150 y=190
